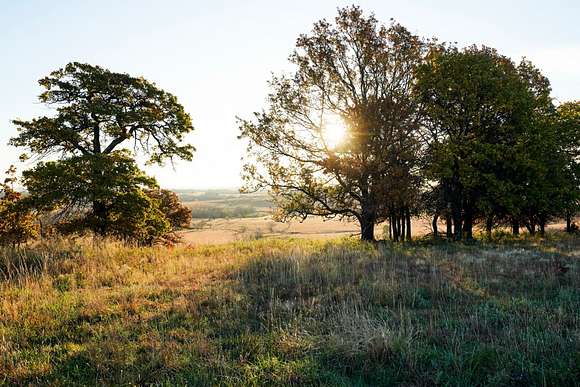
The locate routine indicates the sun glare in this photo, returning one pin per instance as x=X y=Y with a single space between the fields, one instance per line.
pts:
x=333 y=131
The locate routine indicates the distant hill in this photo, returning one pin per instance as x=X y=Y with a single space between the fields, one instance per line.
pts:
x=225 y=203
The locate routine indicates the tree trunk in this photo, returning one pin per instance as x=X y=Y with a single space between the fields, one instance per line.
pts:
x=456 y=201
x=367 y=229
x=542 y=224
x=408 y=216
x=449 y=226
x=532 y=227
x=468 y=223
x=515 y=227
x=488 y=225
x=434 y=224
x=403 y=225
x=99 y=207
x=390 y=228
x=100 y=214
x=568 y=221
x=398 y=226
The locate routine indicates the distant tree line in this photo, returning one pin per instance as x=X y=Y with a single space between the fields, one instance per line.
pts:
x=224 y=212
x=462 y=135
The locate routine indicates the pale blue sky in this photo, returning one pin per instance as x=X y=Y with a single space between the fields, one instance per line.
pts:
x=216 y=56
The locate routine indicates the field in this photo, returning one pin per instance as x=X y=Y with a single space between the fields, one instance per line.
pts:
x=279 y=311
x=223 y=216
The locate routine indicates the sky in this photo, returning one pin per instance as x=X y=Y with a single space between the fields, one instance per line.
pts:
x=217 y=56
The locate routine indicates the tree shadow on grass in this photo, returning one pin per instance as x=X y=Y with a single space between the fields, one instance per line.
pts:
x=344 y=314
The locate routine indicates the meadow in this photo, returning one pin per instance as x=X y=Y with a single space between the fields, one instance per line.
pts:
x=366 y=134
x=276 y=311
x=225 y=215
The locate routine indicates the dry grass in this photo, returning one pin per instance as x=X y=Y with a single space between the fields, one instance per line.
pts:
x=216 y=231
x=213 y=231
x=292 y=312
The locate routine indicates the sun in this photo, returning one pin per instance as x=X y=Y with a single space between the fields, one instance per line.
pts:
x=333 y=131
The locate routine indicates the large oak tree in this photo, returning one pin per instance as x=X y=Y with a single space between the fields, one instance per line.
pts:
x=99 y=115
x=353 y=72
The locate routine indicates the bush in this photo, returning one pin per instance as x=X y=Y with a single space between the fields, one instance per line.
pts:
x=17 y=223
x=176 y=213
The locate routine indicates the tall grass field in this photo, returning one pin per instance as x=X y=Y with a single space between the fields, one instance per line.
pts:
x=293 y=312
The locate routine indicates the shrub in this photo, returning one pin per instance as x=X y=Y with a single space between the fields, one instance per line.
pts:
x=17 y=223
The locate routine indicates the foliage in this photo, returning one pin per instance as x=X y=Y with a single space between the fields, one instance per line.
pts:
x=98 y=110
x=175 y=212
x=97 y=113
x=128 y=212
x=136 y=216
x=360 y=74
x=491 y=145
x=567 y=126
x=17 y=223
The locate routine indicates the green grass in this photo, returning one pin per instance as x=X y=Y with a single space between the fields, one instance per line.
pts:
x=292 y=312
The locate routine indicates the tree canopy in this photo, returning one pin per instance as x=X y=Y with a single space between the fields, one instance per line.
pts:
x=99 y=110
x=176 y=213
x=94 y=182
x=463 y=134
x=477 y=107
x=356 y=73
x=567 y=128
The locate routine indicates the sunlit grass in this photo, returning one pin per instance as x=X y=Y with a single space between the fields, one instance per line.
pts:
x=292 y=312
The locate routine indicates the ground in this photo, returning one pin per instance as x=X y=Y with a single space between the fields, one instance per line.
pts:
x=213 y=231
x=226 y=230
x=278 y=311
x=225 y=215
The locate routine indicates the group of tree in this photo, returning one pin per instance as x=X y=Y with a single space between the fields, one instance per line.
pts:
x=464 y=135
x=91 y=181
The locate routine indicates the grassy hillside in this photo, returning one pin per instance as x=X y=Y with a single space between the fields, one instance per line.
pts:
x=292 y=312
